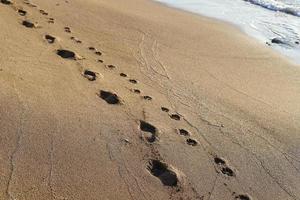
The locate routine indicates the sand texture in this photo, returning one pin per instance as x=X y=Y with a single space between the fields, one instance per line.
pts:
x=129 y=99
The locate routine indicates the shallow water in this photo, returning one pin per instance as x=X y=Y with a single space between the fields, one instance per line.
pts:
x=261 y=19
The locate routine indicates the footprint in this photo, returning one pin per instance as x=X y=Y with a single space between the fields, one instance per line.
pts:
x=22 y=12
x=7 y=2
x=175 y=117
x=123 y=75
x=133 y=81
x=242 y=197
x=191 y=142
x=162 y=171
x=66 y=54
x=92 y=48
x=164 y=109
x=137 y=91
x=150 y=129
x=67 y=29
x=98 y=53
x=223 y=167
x=29 y=24
x=50 y=39
x=147 y=98
x=109 y=97
x=90 y=75
x=111 y=66
x=100 y=61
x=51 y=20
x=43 y=12
x=183 y=132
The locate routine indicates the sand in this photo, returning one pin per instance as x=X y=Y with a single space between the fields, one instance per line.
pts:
x=131 y=99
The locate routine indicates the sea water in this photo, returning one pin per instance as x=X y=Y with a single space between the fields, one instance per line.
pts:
x=275 y=23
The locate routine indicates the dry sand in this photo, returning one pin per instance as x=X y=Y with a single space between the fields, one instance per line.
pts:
x=71 y=134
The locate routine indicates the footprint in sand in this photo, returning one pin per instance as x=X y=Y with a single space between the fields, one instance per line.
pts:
x=50 y=39
x=67 y=29
x=76 y=40
x=164 y=109
x=6 y=2
x=109 y=97
x=175 y=117
x=183 y=132
x=222 y=166
x=150 y=131
x=100 y=61
x=51 y=20
x=92 y=48
x=43 y=12
x=123 y=75
x=191 y=142
x=111 y=66
x=67 y=54
x=137 y=91
x=90 y=75
x=166 y=174
x=242 y=197
x=29 y=24
x=98 y=53
x=133 y=81
x=148 y=98
x=22 y=12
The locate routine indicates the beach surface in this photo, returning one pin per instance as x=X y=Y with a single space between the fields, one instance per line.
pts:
x=134 y=100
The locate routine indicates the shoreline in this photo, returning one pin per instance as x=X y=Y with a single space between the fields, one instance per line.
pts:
x=262 y=40
x=136 y=100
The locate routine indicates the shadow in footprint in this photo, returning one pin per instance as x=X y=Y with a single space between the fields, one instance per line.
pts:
x=123 y=75
x=98 y=53
x=22 y=12
x=67 y=29
x=92 y=48
x=175 y=117
x=50 y=39
x=164 y=109
x=133 y=81
x=148 y=98
x=162 y=171
x=109 y=97
x=100 y=61
x=137 y=91
x=191 y=142
x=28 y=24
x=6 y=2
x=146 y=127
x=111 y=66
x=242 y=197
x=90 y=75
x=66 y=54
x=223 y=167
x=183 y=132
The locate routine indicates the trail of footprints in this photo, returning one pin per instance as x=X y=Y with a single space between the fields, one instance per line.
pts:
x=168 y=175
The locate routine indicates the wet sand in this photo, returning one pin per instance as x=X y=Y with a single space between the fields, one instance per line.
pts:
x=135 y=100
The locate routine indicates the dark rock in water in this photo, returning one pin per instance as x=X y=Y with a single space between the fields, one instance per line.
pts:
x=278 y=41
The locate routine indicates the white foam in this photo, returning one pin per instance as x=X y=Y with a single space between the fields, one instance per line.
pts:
x=255 y=17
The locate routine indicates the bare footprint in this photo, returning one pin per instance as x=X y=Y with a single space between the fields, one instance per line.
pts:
x=222 y=166
x=29 y=24
x=148 y=98
x=183 y=132
x=90 y=75
x=22 y=12
x=175 y=117
x=67 y=54
x=6 y=2
x=242 y=197
x=150 y=131
x=50 y=39
x=109 y=97
x=191 y=142
x=123 y=75
x=133 y=81
x=164 y=109
x=161 y=170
